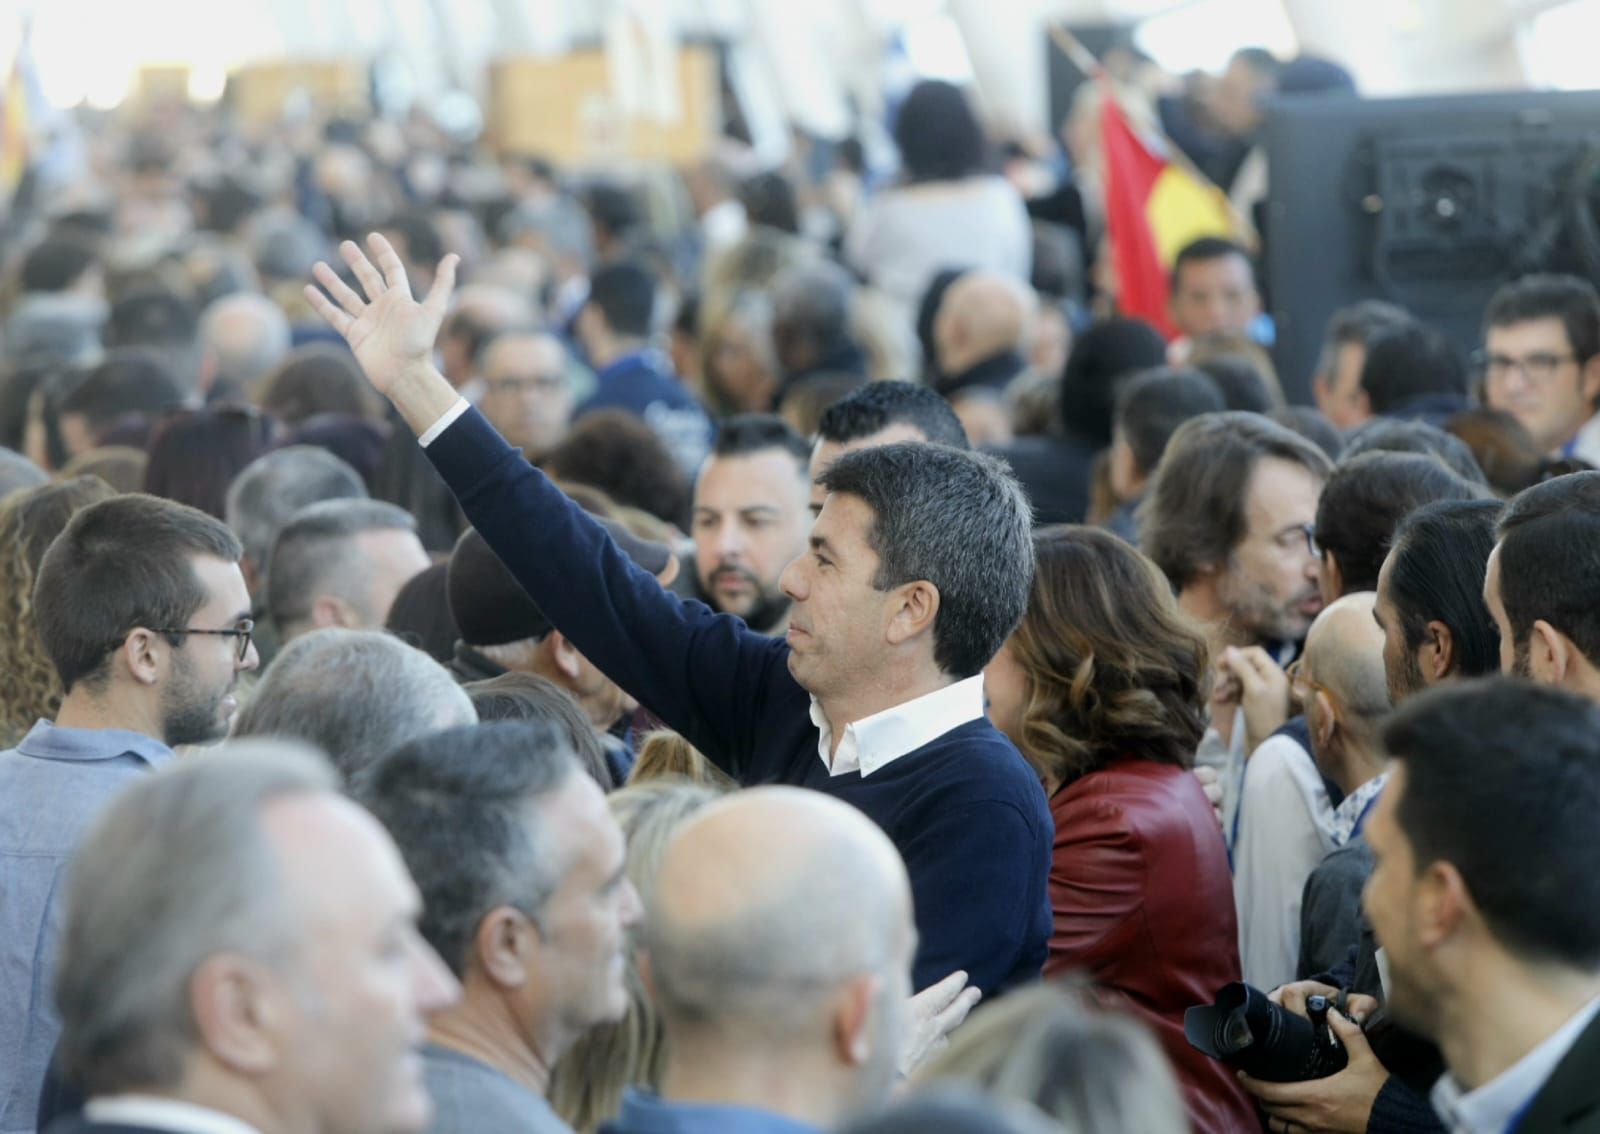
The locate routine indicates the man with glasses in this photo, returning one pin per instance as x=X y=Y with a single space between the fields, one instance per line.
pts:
x=1541 y=362
x=144 y=614
x=528 y=394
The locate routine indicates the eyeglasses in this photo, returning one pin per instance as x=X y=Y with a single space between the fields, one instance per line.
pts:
x=1302 y=686
x=1310 y=532
x=1537 y=369
x=244 y=631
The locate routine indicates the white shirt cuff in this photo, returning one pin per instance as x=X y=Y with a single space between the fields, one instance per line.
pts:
x=446 y=420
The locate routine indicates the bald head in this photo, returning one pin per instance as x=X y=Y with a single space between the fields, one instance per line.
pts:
x=769 y=891
x=1344 y=655
x=981 y=315
x=244 y=338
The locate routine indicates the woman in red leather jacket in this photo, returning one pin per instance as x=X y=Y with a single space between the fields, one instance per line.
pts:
x=1103 y=688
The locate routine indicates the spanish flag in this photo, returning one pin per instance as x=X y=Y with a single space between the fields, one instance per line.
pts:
x=15 y=97
x=1154 y=207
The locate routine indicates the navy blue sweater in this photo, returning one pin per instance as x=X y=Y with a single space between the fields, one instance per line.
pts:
x=967 y=814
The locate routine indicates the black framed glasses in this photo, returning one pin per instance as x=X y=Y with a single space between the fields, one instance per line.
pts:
x=1315 y=548
x=244 y=631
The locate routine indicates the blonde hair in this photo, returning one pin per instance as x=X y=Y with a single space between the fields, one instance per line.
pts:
x=1089 y=1071
x=29 y=521
x=664 y=754
x=586 y=1085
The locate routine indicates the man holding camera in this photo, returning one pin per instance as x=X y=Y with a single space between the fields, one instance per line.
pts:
x=1503 y=974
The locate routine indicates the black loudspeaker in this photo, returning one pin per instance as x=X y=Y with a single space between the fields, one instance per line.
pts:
x=1431 y=203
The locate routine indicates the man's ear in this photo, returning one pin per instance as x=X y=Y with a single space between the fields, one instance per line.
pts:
x=1589 y=380
x=1327 y=720
x=144 y=654
x=1549 y=653
x=852 y=1019
x=330 y=610
x=1439 y=652
x=565 y=655
x=501 y=946
x=1443 y=903
x=914 y=612
x=242 y=1017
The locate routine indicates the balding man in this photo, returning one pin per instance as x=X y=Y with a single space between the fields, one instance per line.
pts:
x=240 y=952
x=527 y=389
x=1341 y=685
x=243 y=338
x=779 y=943
x=984 y=322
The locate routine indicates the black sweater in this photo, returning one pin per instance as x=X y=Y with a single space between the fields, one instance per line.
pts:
x=967 y=814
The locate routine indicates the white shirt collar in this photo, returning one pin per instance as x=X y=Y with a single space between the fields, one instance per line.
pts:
x=1492 y=1108
x=164 y=1114
x=877 y=741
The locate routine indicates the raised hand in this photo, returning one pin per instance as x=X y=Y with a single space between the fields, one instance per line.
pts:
x=391 y=334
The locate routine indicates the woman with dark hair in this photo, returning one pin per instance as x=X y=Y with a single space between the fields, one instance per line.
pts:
x=195 y=454
x=318 y=379
x=949 y=209
x=1103 y=689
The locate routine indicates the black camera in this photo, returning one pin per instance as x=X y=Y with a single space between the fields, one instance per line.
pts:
x=1265 y=1040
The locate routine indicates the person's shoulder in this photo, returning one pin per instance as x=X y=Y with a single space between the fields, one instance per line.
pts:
x=469 y=1095
x=79 y=1124
x=977 y=763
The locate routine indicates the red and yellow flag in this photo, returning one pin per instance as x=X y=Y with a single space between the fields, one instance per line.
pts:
x=14 y=119
x=1154 y=207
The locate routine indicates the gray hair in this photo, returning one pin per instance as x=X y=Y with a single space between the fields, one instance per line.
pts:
x=312 y=555
x=356 y=694
x=958 y=520
x=247 y=335
x=461 y=807
x=271 y=489
x=1356 y=325
x=174 y=871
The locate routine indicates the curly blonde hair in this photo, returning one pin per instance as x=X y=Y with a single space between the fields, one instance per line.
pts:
x=29 y=521
x=1113 y=667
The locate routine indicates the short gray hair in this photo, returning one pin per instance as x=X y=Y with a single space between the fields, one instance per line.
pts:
x=174 y=871
x=958 y=520
x=356 y=694
x=312 y=555
x=247 y=335
x=271 y=489
x=460 y=806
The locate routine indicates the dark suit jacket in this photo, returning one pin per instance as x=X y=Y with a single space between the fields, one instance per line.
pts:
x=78 y=1124
x=1569 y=1102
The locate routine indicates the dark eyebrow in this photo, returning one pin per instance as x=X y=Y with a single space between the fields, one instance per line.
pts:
x=820 y=543
x=762 y=509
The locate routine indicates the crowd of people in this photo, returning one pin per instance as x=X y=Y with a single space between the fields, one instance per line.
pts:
x=760 y=650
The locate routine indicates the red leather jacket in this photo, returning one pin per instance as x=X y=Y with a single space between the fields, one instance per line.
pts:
x=1143 y=903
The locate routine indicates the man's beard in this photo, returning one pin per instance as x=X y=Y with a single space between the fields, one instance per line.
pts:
x=1255 y=610
x=189 y=714
x=1522 y=660
x=769 y=608
x=1409 y=681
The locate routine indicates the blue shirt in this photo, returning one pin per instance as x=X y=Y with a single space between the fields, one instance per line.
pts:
x=645 y=1113
x=641 y=384
x=52 y=786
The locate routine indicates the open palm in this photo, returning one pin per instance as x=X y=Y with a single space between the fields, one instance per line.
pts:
x=390 y=332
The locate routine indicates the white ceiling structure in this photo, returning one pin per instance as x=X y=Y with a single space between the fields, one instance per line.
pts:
x=801 y=61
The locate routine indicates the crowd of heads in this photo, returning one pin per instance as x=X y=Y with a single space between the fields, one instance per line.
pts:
x=433 y=817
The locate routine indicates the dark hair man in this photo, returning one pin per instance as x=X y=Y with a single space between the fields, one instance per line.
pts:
x=1542 y=585
x=1213 y=289
x=1364 y=502
x=811 y=323
x=614 y=327
x=1411 y=370
x=142 y=610
x=239 y=952
x=1228 y=517
x=876 y=697
x=129 y=381
x=520 y=866
x=340 y=563
x=1150 y=407
x=751 y=517
x=1493 y=780
x=1336 y=385
x=807 y=1029
x=881 y=413
x=1430 y=597
x=1541 y=361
